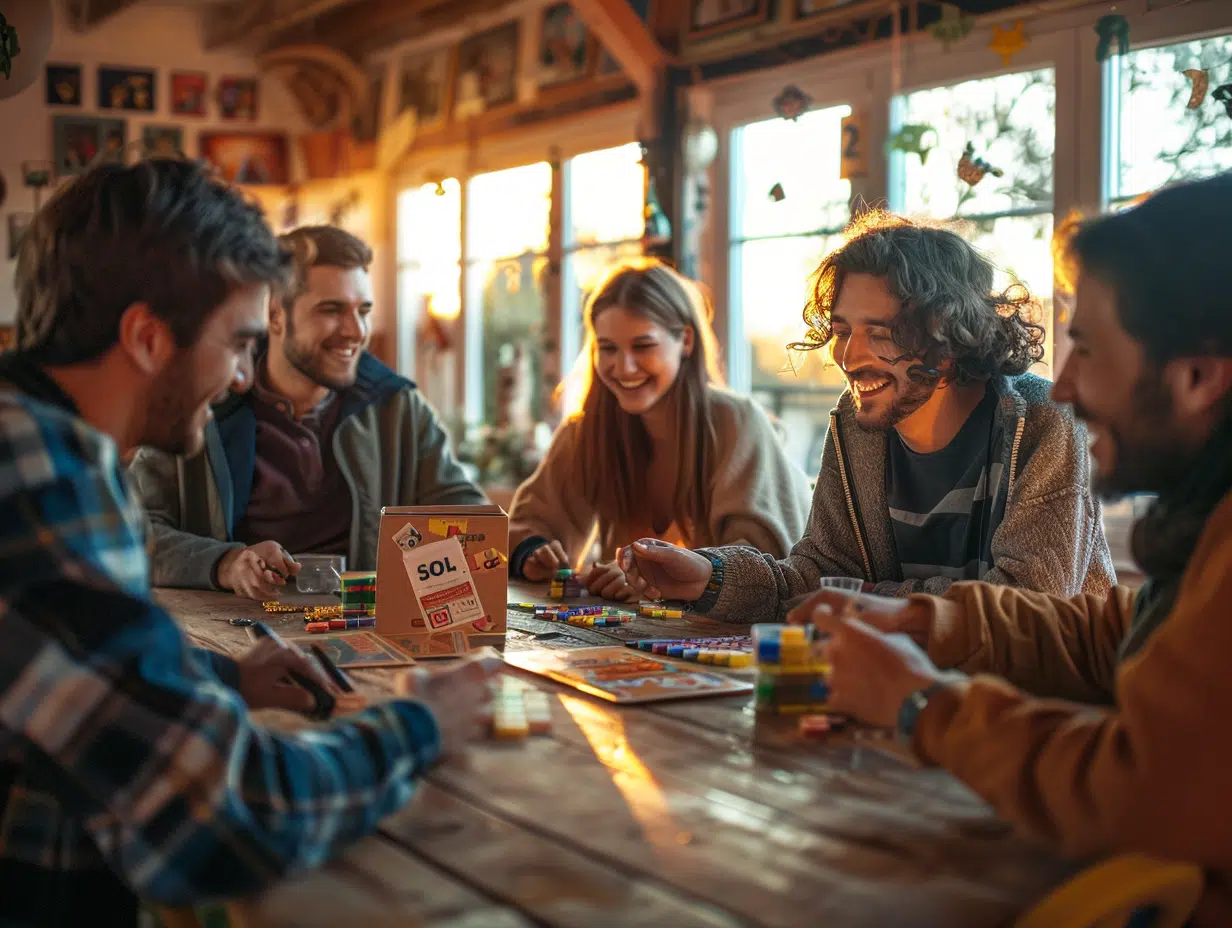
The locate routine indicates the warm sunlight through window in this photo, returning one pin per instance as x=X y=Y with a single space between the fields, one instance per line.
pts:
x=430 y=248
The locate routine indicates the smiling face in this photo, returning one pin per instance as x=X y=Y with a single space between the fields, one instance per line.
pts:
x=636 y=358
x=864 y=350
x=323 y=334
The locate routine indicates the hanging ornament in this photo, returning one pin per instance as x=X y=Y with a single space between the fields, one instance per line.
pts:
x=9 y=47
x=777 y=194
x=953 y=26
x=971 y=170
x=791 y=102
x=1199 y=80
x=911 y=140
x=1008 y=42
x=1111 y=29
x=1223 y=94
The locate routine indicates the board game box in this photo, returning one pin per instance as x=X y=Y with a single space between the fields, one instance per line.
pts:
x=621 y=675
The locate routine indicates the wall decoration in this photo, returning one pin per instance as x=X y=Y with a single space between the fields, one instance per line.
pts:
x=423 y=86
x=972 y=170
x=1112 y=28
x=777 y=193
x=853 y=157
x=953 y=26
x=35 y=175
x=913 y=139
x=565 y=48
x=1223 y=94
x=237 y=98
x=791 y=102
x=78 y=140
x=1199 y=81
x=18 y=223
x=126 y=89
x=162 y=141
x=10 y=48
x=487 y=69
x=188 y=93
x=711 y=16
x=366 y=123
x=248 y=157
x=25 y=40
x=63 y=85
x=1008 y=42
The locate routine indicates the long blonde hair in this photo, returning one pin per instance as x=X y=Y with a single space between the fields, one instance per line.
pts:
x=614 y=448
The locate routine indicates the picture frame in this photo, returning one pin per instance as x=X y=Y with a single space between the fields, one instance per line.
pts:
x=18 y=223
x=424 y=82
x=567 y=51
x=188 y=93
x=162 y=141
x=63 y=84
x=710 y=17
x=133 y=89
x=366 y=123
x=78 y=140
x=487 y=70
x=248 y=157
x=237 y=98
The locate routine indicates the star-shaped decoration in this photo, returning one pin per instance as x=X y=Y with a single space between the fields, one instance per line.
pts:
x=1007 y=42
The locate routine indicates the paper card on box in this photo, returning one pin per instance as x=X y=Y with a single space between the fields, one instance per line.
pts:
x=442 y=583
x=407 y=537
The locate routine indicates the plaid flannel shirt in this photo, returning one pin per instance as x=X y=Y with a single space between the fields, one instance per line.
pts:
x=126 y=764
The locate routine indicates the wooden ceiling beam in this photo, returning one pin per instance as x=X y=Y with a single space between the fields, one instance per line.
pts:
x=85 y=14
x=375 y=21
x=626 y=37
x=256 y=21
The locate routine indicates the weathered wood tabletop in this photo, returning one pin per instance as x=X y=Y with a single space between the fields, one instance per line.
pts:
x=675 y=814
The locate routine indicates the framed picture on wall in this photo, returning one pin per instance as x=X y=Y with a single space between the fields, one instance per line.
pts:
x=237 y=98
x=78 y=140
x=188 y=93
x=487 y=70
x=162 y=141
x=126 y=89
x=248 y=157
x=63 y=85
x=423 y=86
x=566 y=50
x=712 y=16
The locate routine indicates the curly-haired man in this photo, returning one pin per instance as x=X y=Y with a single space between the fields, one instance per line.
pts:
x=946 y=460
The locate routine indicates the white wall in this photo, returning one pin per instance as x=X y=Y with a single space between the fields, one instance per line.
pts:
x=163 y=38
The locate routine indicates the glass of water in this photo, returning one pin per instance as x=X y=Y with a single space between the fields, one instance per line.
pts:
x=320 y=573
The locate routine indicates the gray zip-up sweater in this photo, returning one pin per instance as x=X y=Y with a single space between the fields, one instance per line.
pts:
x=1049 y=536
x=389 y=445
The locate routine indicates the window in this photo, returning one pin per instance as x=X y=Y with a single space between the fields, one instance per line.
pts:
x=429 y=267
x=1151 y=138
x=604 y=192
x=787 y=206
x=1010 y=121
x=506 y=258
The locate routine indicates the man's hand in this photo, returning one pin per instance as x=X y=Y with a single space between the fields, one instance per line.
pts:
x=257 y=571
x=881 y=612
x=871 y=673
x=264 y=683
x=542 y=563
x=657 y=570
x=457 y=694
x=608 y=580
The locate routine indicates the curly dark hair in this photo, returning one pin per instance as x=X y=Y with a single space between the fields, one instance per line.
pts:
x=952 y=324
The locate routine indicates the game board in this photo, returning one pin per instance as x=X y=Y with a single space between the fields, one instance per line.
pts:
x=355 y=649
x=621 y=675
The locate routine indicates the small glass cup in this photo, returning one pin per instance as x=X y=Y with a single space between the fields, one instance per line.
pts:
x=320 y=573
x=845 y=584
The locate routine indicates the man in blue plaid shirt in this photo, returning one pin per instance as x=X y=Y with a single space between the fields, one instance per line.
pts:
x=129 y=764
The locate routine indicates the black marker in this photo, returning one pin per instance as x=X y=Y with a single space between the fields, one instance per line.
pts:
x=325 y=699
x=332 y=670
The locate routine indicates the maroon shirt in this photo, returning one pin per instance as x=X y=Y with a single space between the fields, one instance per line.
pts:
x=299 y=497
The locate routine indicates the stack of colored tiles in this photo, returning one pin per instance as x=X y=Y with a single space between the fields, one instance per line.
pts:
x=519 y=710
x=728 y=651
x=659 y=611
x=566 y=585
x=597 y=616
x=789 y=676
x=358 y=600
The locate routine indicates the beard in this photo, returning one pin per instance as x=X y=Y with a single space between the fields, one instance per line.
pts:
x=306 y=358
x=1149 y=454
x=175 y=407
x=909 y=395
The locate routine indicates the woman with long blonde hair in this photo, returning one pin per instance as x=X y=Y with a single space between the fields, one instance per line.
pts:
x=658 y=447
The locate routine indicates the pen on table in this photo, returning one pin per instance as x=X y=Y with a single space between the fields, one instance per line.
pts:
x=332 y=670
x=324 y=698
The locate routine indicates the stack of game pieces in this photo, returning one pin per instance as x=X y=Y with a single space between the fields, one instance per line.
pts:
x=727 y=651
x=818 y=726
x=519 y=710
x=790 y=678
x=659 y=611
x=597 y=616
x=358 y=609
x=566 y=585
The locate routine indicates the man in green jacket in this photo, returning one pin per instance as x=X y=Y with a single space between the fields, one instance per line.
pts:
x=305 y=459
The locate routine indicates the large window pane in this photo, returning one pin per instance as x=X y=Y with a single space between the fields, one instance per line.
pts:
x=1158 y=140
x=1009 y=119
x=606 y=189
x=509 y=212
x=802 y=157
x=510 y=297
x=430 y=223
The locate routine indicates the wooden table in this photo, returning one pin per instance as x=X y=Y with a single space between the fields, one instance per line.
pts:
x=681 y=814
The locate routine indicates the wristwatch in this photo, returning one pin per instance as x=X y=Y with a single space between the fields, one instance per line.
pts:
x=913 y=705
